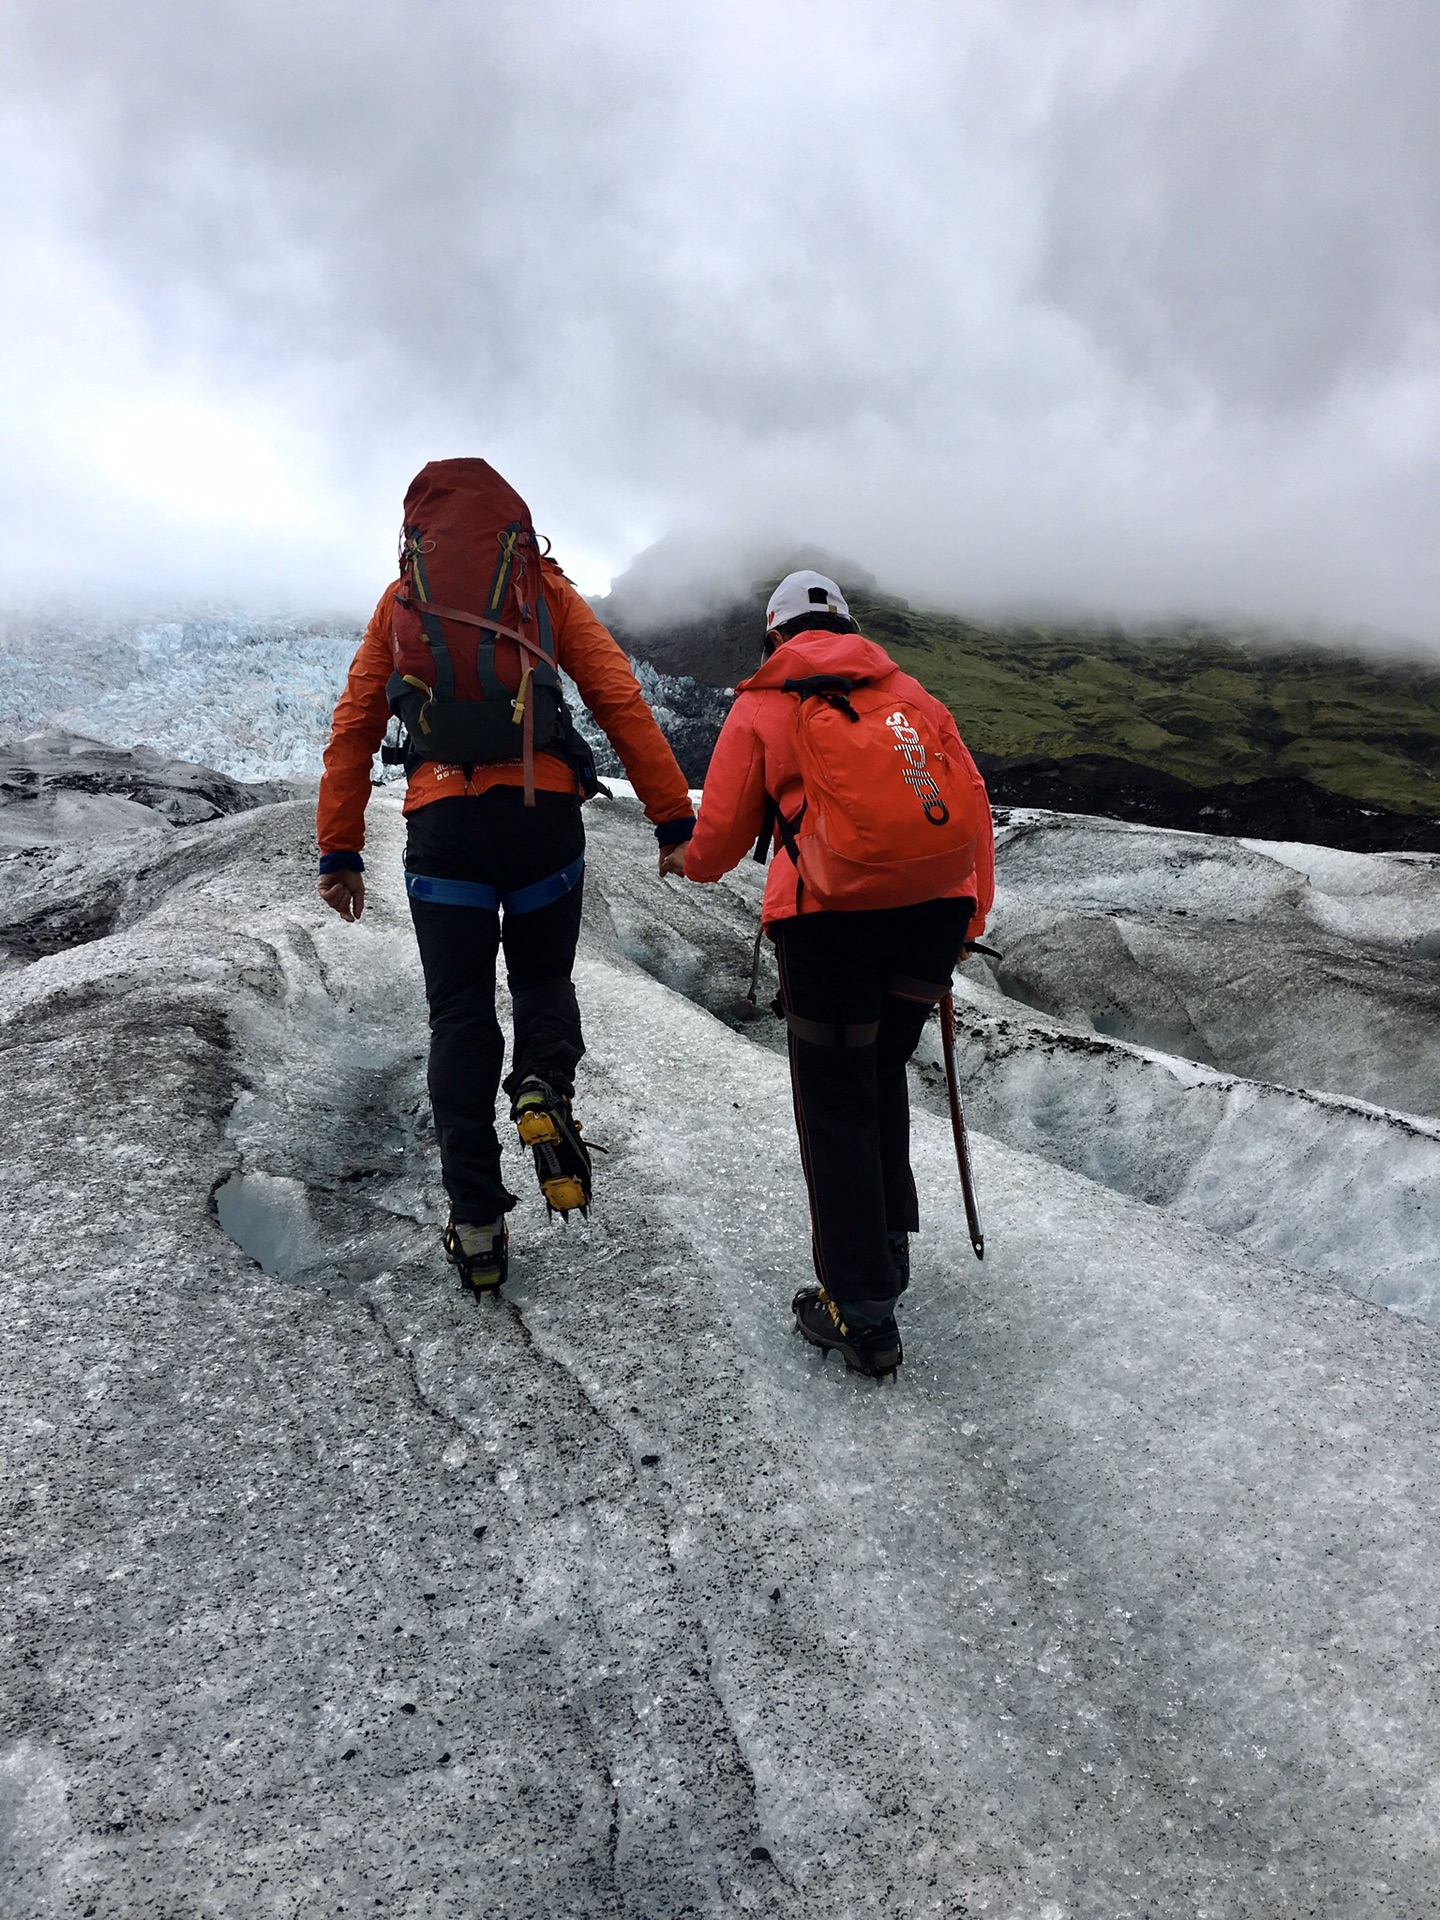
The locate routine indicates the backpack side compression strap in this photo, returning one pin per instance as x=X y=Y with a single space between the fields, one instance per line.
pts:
x=773 y=822
x=429 y=626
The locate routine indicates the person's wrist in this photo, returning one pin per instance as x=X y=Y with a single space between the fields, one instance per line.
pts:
x=671 y=833
x=341 y=863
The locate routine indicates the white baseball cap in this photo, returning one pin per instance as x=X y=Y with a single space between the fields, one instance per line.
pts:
x=801 y=593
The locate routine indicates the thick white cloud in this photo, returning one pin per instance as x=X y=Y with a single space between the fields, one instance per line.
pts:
x=1127 y=304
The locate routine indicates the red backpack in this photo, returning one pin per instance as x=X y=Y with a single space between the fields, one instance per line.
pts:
x=889 y=819
x=474 y=677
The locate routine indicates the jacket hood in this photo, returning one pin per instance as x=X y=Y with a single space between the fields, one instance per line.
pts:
x=821 y=652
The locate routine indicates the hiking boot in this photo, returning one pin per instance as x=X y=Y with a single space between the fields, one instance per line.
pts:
x=900 y=1254
x=480 y=1255
x=546 y=1125
x=874 y=1351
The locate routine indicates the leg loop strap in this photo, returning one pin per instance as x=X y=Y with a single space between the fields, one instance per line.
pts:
x=832 y=1033
x=925 y=992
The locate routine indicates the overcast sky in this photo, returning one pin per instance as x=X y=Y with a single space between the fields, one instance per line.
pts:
x=1128 y=305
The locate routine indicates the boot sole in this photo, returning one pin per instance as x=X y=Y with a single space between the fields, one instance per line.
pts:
x=564 y=1192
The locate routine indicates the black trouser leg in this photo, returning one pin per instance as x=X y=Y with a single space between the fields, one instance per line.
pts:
x=539 y=959
x=495 y=839
x=857 y=988
x=837 y=1119
x=837 y=1110
x=901 y=1025
x=921 y=950
x=467 y=1050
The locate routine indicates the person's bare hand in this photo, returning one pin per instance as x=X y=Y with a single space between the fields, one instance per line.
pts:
x=672 y=860
x=344 y=892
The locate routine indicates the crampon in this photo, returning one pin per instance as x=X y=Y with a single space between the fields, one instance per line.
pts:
x=875 y=1352
x=480 y=1255
x=547 y=1126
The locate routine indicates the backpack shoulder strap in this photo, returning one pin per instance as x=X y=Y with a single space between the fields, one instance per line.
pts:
x=833 y=688
x=767 y=830
x=414 y=552
x=774 y=822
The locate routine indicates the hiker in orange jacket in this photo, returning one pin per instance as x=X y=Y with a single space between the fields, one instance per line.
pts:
x=488 y=862
x=856 y=984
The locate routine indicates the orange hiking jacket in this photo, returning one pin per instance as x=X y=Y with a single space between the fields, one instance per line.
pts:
x=754 y=758
x=583 y=647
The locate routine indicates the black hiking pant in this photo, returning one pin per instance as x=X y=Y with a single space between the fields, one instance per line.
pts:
x=496 y=839
x=857 y=989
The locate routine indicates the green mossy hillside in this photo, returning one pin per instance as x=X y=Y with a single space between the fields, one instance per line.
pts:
x=1204 y=706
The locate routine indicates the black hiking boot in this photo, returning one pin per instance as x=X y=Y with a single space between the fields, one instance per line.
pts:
x=874 y=1351
x=562 y=1160
x=480 y=1255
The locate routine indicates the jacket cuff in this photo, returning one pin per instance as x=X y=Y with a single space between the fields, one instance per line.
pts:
x=341 y=863
x=672 y=832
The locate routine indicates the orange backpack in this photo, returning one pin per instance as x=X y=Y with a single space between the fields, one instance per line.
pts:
x=888 y=818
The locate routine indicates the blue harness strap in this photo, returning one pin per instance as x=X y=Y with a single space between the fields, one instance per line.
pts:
x=541 y=893
x=475 y=893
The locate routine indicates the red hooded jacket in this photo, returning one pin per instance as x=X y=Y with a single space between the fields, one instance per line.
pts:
x=754 y=759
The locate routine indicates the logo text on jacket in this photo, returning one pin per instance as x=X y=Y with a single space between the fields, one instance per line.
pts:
x=915 y=774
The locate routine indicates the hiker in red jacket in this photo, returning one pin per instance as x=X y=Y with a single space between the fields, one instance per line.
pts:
x=884 y=861
x=464 y=647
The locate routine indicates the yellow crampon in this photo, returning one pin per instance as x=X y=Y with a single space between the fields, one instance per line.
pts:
x=547 y=1127
x=480 y=1255
x=537 y=1128
x=564 y=1193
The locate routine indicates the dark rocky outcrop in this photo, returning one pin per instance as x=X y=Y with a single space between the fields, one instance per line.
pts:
x=690 y=714
x=1278 y=808
x=717 y=648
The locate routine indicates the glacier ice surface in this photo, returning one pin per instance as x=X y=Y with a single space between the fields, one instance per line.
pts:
x=330 y=1588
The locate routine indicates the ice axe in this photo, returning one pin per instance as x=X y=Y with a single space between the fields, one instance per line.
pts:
x=957 y=1125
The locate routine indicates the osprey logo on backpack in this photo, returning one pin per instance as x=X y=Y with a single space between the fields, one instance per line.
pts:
x=908 y=742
